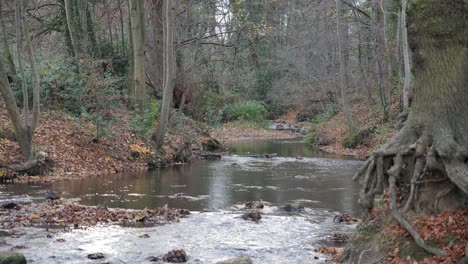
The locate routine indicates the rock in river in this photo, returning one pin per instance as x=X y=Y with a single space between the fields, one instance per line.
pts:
x=12 y=258
x=293 y=207
x=174 y=256
x=238 y=260
x=252 y=216
x=96 y=256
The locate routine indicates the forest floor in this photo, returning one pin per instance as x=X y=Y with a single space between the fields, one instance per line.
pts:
x=71 y=150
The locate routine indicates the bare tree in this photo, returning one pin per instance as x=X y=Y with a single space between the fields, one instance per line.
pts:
x=169 y=68
x=24 y=130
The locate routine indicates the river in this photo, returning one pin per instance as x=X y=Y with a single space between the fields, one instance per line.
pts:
x=215 y=192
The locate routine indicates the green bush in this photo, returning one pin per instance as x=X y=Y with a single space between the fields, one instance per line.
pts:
x=312 y=138
x=145 y=124
x=248 y=111
x=208 y=106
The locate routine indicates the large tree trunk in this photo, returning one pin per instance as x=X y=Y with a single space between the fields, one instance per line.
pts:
x=429 y=154
x=138 y=35
x=169 y=68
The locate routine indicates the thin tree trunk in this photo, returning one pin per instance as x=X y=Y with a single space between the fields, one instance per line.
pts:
x=157 y=54
x=169 y=68
x=84 y=25
x=404 y=39
x=137 y=20
x=131 y=70
x=6 y=48
x=19 y=54
x=109 y=25
x=379 y=48
x=35 y=75
x=343 y=80
x=121 y=26
x=72 y=29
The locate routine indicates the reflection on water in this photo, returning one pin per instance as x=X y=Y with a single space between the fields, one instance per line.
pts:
x=322 y=184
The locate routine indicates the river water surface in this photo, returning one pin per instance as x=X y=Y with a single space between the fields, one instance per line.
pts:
x=215 y=192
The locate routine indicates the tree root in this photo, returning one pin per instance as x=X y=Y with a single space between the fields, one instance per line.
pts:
x=394 y=173
x=21 y=166
x=418 y=168
x=443 y=193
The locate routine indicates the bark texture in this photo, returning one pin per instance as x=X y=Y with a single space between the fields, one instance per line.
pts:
x=429 y=154
x=169 y=68
x=72 y=28
x=138 y=36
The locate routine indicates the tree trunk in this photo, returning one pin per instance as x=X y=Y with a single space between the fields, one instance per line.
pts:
x=119 y=4
x=35 y=75
x=137 y=22
x=131 y=69
x=19 y=55
x=169 y=68
x=6 y=49
x=23 y=131
x=343 y=75
x=72 y=28
x=379 y=48
x=109 y=25
x=157 y=54
x=429 y=154
x=406 y=61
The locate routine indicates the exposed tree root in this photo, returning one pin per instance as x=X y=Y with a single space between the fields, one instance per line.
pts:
x=418 y=168
x=408 y=162
x=394 y=173
x=21 y=166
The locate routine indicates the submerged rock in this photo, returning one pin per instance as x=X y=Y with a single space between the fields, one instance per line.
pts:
x=238 y=260
x=96 y=256
x=293 y=207
x=344 y=218
x=50 y=195
x=255 y=205
x=252 y=216
x=12 y=258
x=212 y=156
x=175 y=256
x=10 y=205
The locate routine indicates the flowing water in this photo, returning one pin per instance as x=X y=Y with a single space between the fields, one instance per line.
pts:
x=215 y=191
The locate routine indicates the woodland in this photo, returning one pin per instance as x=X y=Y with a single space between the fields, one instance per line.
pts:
x=94 y=87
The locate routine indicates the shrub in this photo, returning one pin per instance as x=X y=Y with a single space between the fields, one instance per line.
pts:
x=144 y=124
x=248 y=111
x=208 y=106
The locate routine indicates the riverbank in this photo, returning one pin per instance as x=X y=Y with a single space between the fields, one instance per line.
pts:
x=329 y=132
x=246 y=130
x=70 y=149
